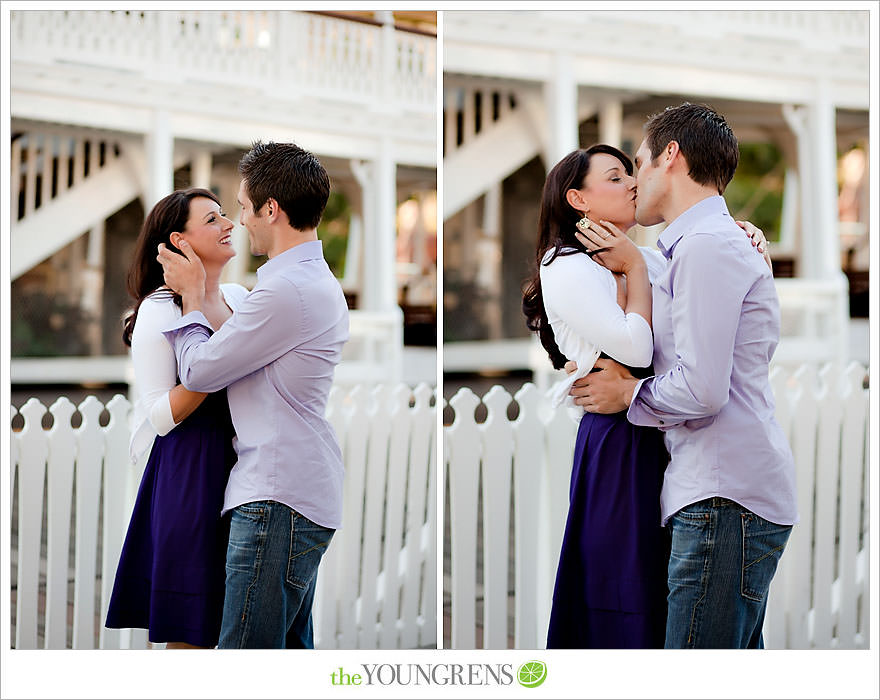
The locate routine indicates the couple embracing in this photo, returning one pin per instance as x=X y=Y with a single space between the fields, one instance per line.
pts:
x=682 y=493
x=242 y=490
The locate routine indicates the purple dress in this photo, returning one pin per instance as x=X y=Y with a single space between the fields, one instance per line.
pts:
x=611 y=582
x=171 y=574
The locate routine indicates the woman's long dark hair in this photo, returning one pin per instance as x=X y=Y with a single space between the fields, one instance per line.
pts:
x=145 y=274
x=556 y=229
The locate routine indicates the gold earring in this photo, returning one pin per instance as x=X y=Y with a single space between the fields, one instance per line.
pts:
x=583 y=224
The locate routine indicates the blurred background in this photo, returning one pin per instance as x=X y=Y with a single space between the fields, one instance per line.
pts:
x=522 y=89
x=112 y=110
x=109 y=112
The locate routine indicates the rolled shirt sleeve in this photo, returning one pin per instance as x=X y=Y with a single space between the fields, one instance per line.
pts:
x=263 y=328
x=161 y=417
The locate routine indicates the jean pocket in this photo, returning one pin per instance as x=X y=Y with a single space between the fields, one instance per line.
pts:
x=763 y=544
x=308 y=542
x=247 y=532
x=691 y=536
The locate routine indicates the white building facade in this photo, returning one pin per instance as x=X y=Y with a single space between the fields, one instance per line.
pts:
x=522 y=89
x=113 y=109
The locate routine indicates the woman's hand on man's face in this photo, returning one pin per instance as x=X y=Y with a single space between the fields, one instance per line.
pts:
x=618 y=252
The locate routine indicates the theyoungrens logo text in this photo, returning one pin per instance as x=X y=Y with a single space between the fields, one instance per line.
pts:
x=530 y=674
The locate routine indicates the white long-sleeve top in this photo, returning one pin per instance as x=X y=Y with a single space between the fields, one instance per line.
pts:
x=155 y=366
x=580 y=298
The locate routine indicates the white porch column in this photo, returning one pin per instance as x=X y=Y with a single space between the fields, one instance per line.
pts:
x=823 y=137
x=160 y=158
x=380 y=224
x=826 y=233
x=351 y=279
x=611 y=123
x=201 y=171
x=489 y=259
x=796 y=117
x=561 y=98
x=93 y=286
x=363 y=172
x=815 y=128
x=788 y=225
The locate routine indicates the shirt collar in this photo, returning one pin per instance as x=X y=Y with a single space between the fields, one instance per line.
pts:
x=685 y=221
x=310 y=250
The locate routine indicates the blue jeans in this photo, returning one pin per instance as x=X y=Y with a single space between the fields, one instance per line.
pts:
x=723 y=559
x=271 y=570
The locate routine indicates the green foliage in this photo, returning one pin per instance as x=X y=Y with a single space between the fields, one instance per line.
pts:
x=755 y=193
x=333 y=232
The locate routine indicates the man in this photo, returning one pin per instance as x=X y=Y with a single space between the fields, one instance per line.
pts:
x=728 y=492
x=276 y=356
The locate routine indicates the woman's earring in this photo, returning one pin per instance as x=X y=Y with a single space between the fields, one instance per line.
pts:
x=583 y=224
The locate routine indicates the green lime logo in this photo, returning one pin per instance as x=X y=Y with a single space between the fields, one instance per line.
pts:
x=531 y=674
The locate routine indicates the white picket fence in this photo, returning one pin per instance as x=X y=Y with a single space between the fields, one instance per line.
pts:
x=377 y=581
x=819 y=597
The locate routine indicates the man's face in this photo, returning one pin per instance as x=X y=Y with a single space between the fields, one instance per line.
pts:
x=253 y=222
x=650 y=183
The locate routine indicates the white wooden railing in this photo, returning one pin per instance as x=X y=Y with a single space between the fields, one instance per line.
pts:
x=54 y=172
x=254 y=49
x=377 y=582
x=472 y=107
x=846 y=29
x=487 y=134
x=819 y=598
x=46 y=164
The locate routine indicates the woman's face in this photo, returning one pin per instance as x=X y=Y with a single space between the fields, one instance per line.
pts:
x=608 y=192
x=208 y=231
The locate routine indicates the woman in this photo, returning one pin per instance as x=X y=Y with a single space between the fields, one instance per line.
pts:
x=171 y=572
x=611 y=581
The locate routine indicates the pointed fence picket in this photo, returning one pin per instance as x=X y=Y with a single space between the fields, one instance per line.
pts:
x=798 y=555
x=426 y=537
x=854 y=425
x=400 y=420
x=377 y=450
x=820 y=595
x=377 y=582
x=826 y=468
x=528 y=436
x=33 y=449
x=497 y=436
x=421 y=451
x=776 y=622
x=116 y=510
x=864 y=588
x=463 y=453
x=62 y=453
x=90 y=453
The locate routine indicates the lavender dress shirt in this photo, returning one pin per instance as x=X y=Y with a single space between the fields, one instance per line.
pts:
x=276 y=356
x=716 y=326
